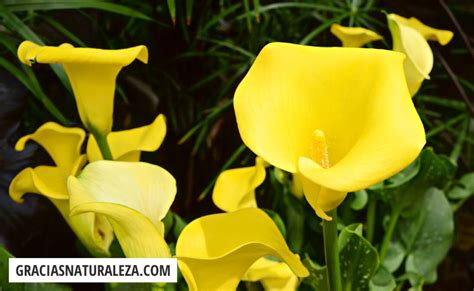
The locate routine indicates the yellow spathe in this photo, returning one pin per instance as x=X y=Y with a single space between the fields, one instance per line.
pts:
x=357 y=98
x=235 y=188
x=419 y=57
x=429 y=33
x=410 y=37
x=354 y=36
x=63 y=145
x=92 y=73
x=134 y=196
x=214 y=252
x=273 y=275
x=126 y=145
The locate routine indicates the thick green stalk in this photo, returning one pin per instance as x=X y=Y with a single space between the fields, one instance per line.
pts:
x=371 y=219
x=331 y=252
x=388 y=234
x=103 y=146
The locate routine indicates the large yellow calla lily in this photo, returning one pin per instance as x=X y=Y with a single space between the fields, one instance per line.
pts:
x=234 y=240
x=354 y=36
x=235 y=188
x=273 y=275
x=341 y=117
x=92 y=73
x=134 y=196
x=126 y=145
x=63 y=145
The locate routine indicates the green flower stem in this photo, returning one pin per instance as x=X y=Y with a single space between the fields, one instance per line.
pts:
x=388 y=234
x=331 y=252
x=103 y=145
x=371 y=219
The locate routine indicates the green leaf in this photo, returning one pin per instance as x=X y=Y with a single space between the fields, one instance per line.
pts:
x=426 y=234
x=394 y=257
x=360 y=199
x=295 y=220
x=405 y=189
x=464 y=188
x=15 y=24
x=359 y=259
x=317 y=278
x=178 y=225
x=29 y=5
x=382 y=281
x=172 y=10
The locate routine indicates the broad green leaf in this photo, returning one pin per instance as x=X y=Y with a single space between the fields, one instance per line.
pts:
x=426 y=234
x=359 y=200
x=433 y=171
x=359 y=259
x=382 y=281
x=394 y=257
x=464 y=188
x=317 y=278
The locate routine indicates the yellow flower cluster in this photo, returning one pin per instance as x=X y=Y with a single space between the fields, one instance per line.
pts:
x=338 y=119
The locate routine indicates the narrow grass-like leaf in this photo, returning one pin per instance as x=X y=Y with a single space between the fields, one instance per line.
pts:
x=310 y=36
x=237 y=153
x=172 y=10
x=29 y=5
x=189 y=11
x=37 y=92
x=64 y=31
x=15 y=24
x=248 y=14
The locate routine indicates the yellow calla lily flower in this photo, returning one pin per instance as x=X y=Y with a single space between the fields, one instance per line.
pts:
x=126 y=145
x=92 y=73
x=63 y=145
x=235 y=188
x=272 y=275
x=234 y=240
x=354 y=36
x=419 y=57
x=429 y=33
x=341 y=117
x=134 y=196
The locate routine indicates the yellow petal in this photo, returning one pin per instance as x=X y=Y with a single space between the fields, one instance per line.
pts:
x=235 y=188
x=94 y=231
x=419 y=57
x=63 y=144
x=215 y=251
x=134 y=196
x=354 y=36
x=429 y=33
x=126 y=145
x=357 y=97
x=45 y=180
x=92 y=73
x=321 y=198
x=272 y=274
